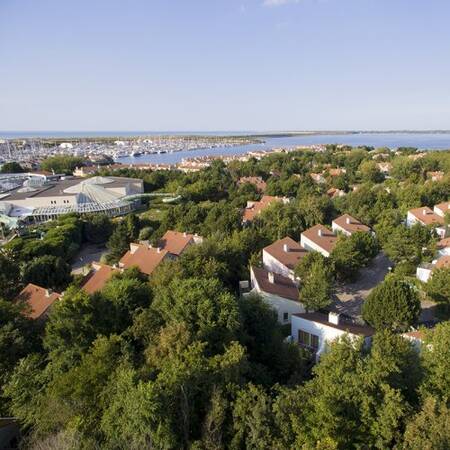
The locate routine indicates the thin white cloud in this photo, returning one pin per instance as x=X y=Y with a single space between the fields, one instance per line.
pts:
x=278 y=2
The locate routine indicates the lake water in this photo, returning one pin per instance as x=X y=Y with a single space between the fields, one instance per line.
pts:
x=424 y=141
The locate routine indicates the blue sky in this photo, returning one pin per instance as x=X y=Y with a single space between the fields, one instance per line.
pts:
x=224 y=64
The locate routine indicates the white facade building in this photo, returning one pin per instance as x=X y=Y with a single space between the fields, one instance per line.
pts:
x=280 y=292
x=283 y=256
x=38 y=200
x=319 y=239
x=315 y=331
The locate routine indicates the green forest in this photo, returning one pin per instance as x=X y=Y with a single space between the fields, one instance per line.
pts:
x=179 y=360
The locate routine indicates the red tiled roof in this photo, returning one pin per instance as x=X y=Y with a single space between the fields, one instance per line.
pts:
x=326 y=241
x=97 y=278
x=258 y=182
x=38 y=298
x=443 y=243
x=443 y=263
x=361 y=330
x=175 y=242
x=282 y=286
x=444 y=207
x=289 y=258
x=144 y=257
x=426 y=216
x=257 y=207
x=353 y=225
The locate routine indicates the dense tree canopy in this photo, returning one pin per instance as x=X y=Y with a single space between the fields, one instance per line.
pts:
x=180 y=360
x=394 y=304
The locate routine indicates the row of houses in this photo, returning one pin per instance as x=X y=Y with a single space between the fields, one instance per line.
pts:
x=142 y=255
x=277 y=284
x=436 y=218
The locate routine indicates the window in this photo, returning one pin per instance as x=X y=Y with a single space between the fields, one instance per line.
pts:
x=285 y=317
x=308 y=340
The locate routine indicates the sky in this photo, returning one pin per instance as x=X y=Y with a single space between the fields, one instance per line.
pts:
x=189 y=65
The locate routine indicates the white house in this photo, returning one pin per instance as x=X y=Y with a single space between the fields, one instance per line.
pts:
x=283 y=256
x=348 y=225
x=442 y=209
x=443 y=247
x=315 y=330
x=280 y=292
x=320 y=239
x=425 y=216
x=424 y=271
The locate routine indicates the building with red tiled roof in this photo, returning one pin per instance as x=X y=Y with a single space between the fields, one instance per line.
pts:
x=258 y=182
x=442 y=209
x=280 y=292
x=335 y=193
x=425 y=216
x=348 y=225
x=443 y=247
x=38 y=299
x=176 y=243
x=320 y=239
x=254 y=208
x=425 y=270
x=145 y=257
x=96 y=279
x=283 y=256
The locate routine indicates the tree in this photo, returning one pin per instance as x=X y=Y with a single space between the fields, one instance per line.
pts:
x=438 y=289
x=126 y=231
x=18 y=337
x=316 y=287
x=97 y=228
x=210 y=312
x=429 y=429
x=73 y=325
x=11 y=167
x=436 y=362
x=48 y=271
x=352 y=253
x=9 y=277
x=370 y=172
x=394 y=304
x=61 y=164
x=253 y=419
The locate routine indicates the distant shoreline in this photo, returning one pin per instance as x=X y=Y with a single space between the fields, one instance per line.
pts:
x=47 y=134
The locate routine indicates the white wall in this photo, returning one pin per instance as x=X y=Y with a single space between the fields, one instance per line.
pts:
x=411 y=220
x=273 y=265
x=279 y=304
x=335 y=227
x=38 y=202
x=325 y=333
x=312 y=246
x=423 y=274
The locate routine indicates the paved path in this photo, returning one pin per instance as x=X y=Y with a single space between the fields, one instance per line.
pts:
x=350 y=297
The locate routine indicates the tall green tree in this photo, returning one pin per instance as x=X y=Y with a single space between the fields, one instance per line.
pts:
x=394 y=305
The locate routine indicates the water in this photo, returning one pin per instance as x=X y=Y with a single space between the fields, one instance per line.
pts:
x=424 y=141
x=437 y=141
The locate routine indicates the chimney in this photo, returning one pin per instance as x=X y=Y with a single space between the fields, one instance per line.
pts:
x=347 y=220
x=333 y=318
x=48 y=292
x=424 y=211
x=158 y=249
x=133 y=248
x=285 y=248
x=319 y=232
x=271 y=277
x=185 y=234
